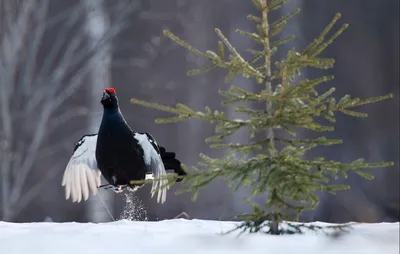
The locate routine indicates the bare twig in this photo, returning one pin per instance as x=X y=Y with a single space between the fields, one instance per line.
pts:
x=182 y=215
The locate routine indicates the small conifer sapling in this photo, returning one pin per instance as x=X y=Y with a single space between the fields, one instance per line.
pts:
x=273 y=165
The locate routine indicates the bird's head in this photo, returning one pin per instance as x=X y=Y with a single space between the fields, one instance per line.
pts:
x=109 y=99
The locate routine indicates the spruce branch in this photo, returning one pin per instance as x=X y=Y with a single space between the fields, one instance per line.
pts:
x=311 y=48
x=186 y=45
x=279 y=25
x=273 y=165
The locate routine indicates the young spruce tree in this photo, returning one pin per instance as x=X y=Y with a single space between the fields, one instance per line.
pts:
x=274 y=165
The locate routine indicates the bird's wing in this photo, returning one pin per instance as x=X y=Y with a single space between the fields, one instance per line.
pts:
x=152 y=141
x=152 y=158
x=82 y=174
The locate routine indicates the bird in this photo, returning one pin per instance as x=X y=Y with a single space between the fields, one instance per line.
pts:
x=123 y=157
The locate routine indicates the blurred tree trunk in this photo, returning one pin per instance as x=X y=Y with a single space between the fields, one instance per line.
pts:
x=96 y=26
x=34 y=90
x=242 y=43
x=196 y=26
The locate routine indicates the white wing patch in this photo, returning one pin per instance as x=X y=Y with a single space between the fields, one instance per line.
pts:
x=81 y=174
x=154 y=161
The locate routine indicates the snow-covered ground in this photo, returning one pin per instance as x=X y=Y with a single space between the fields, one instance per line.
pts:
x=181 y=236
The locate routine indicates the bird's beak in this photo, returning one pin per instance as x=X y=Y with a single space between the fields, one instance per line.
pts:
x=105 y=96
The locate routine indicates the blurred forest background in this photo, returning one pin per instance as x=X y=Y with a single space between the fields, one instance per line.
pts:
x=57 y=55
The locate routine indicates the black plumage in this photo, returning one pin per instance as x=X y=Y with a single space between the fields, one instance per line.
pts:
x=118 y=153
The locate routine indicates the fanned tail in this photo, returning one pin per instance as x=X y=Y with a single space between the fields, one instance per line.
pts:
x=172 y=163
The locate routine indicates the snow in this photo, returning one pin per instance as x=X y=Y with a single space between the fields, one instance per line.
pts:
x=181 y=236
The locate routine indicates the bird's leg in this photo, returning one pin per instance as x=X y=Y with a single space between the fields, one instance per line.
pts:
x=133 y=188
x=106 y=186
x=120 y=188
x=116 y=189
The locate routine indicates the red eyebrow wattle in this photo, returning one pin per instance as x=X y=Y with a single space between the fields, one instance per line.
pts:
x=110 y=90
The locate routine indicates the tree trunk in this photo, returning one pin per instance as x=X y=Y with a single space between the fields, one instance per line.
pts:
x=96 y=26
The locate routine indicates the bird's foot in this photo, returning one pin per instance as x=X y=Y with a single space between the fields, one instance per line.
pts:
x=116 y=189
x=133 y=188
x=119 y=188
x=105 y=186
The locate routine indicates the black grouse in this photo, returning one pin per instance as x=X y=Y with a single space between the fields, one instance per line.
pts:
x=119 y=154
